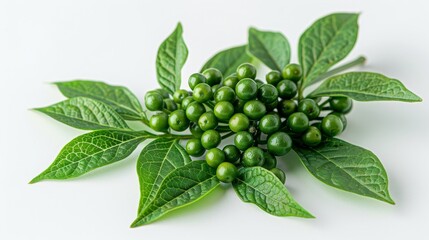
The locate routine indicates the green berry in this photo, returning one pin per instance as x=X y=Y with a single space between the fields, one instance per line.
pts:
x=287 y=89
x=270 y=123
x=153 y=101
x=243 y=140
x=194 y=147
x=279 y=143
x=196 y=131
x=286 y=107
x=169 y=104
x=298 y=122
x=292 y=72
x=231 y=81
x=226 y=172
x=194 y=111
x=279 y=174
x=164 y=93
x=332 y=125
x=214 y=157
x=259 y=83
x=342 y=117
x=224 y=94
x=309 y=107
x=239 y=122
x=207 y=121
x=232 y=154
x=179 y=95
x=312 y=137
x=223 y=110
x=253 y=156
x=159 y=122
x=246 y=70
x=267 y=93
x=254 y=109
x=202 y=93
x=269 y=161
x=246 y=89
x=178 y=120
x=273 y=77
x=341 y=104
x=210 y=139
x=186 y=101
x=213 y=76
x=196 y=79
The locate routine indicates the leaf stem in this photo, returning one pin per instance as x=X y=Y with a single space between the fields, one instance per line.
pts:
x=358 y=61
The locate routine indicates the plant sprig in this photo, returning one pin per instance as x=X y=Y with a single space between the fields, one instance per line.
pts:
x=267 y=121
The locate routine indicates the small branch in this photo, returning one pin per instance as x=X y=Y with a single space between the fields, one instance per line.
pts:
x=228 y=135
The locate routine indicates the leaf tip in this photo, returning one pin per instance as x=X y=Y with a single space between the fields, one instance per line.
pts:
x=34 y=180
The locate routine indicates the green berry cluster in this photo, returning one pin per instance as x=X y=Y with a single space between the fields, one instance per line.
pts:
x=258 y=113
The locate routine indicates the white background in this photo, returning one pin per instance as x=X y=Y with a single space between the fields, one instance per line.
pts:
x=116 y=41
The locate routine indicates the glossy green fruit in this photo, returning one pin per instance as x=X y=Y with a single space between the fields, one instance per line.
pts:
x=287 y=89
x=312 y=137
x=232 y=154
x=213 y=76
x=169 y=104
x=279 y=143
x=153 y=101
x=309 y=107
x=196 y=131
x=341 y=104
x=164 y=93
x=207 y=121
x=210 y=139
x=231 y=81
x=298 y=122
x=202 y=93
x=223 y=111
x=254 y=109
x=287 y=107
x=159 y=122
x=178 y=120
x=196 y=79
x=239 y=122
x=194 y=111
x=246 y=89
x=273 y=77
x=259 y=83
x=279 y=174
x=342 y=117
x=292 y=72
x=332 y=125
x=269 y=161
x=246 y=70
x=194 y=147
x=214 y=157
x=179 y=95
x=186 y=101
x=270 y=123
x=267 y=93
x=226 y=172
x=243 y=140
x=253 y=157
x=224 y=94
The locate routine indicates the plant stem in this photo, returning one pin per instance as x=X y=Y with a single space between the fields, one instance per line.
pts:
x=228 y=135
x=223 y=128
x=358 y=61
x=324 y=103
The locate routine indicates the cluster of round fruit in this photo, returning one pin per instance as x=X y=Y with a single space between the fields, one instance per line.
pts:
x=258 y=114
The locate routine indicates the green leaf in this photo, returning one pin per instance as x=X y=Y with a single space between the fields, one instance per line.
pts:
x=170 y=59
x=325 y=43
x=156 y=161
x=347 y=167
x=119 y=98
x=90 y=151
x=261 y=187
x=181 y=187
x=365 y=86
x=271 y=48
x=85 y=113
x=228 y=60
